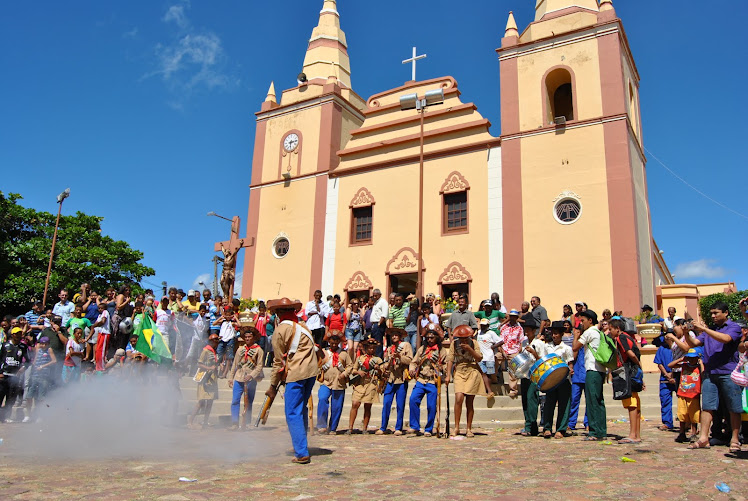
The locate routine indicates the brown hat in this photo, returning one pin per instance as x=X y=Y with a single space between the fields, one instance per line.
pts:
x=370 y=340
x=283 y=304
x=432 y=327
x=396 y=330
x=214 y=337
x=250 y=326
x=463 y=331
x=334 y=333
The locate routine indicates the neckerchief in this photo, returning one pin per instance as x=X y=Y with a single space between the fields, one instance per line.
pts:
x=210 y=348
x=335 y=359
x=246 y=353
x=367 y=359
x=429 y=349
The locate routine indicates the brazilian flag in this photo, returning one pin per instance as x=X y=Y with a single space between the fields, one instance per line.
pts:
x=151 y=342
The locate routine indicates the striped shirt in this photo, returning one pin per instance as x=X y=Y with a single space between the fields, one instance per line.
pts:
x=398 y=316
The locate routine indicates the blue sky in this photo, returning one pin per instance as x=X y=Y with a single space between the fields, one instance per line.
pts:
x=145 y=109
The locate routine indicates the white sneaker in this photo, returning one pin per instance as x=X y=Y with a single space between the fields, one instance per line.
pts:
x=8 y=420
x=27 y=419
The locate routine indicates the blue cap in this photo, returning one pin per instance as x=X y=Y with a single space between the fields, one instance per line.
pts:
x=696 y=352
x=513 y=312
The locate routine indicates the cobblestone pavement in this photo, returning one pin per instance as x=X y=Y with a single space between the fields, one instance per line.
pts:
x=256 y=464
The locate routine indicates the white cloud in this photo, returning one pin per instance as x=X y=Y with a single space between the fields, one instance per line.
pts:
x=131 y=34
x=701 y=268
x=193 y=59
x=205 y=278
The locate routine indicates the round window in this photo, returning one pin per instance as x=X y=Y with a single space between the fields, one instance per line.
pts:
x=280 y=247
x=567 y=210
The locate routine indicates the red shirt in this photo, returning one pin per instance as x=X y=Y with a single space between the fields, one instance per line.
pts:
x=336 y=321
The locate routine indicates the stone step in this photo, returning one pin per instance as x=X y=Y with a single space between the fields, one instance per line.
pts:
x=501 y=412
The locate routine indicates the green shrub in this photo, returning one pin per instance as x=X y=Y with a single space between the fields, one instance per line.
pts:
x=732 y=300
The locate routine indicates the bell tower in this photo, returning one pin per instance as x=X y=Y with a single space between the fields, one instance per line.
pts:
x=296 y=142
x=576 y=213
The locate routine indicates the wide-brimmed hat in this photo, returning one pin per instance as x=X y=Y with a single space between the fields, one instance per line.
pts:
x=371 y=340
x=463 y=331
x=647 y=307
x=250 y=325
x=432 y=327
x=396 y=330
x=558 y=325
x=336 y=334
x=283 y=304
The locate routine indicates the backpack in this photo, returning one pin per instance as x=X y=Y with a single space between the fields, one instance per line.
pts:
x=606 y=354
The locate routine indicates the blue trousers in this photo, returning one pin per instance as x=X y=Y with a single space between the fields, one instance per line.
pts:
x=236 y=400
x=323 y=405
x=666 y=402
x=297 y=413
x=577 y=389
x=420 y=389
x=397 y=392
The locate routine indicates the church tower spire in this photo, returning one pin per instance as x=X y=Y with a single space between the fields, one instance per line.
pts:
x=543 y=7
x=511 y=26
x=327 y=54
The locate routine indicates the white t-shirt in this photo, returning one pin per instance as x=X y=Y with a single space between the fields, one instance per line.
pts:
x=562 y=350
x=432 y=319
x=540 y=347
x=77 y=348
x=103 y=329
x=317 y=321
x=164 y=321
x=227 y=332
x=380 y=309
x=591 y=341
x=486 y=340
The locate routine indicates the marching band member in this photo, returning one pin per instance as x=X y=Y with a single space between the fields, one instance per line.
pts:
x=397 y=358
x=363 y=374
x=426 y=368
x=464 y=356
x=296 y=359
x=333 y=385
x=245 y=373
x=530 y=393
x=562 y=393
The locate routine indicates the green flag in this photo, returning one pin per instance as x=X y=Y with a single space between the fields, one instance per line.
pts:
x=151 y=342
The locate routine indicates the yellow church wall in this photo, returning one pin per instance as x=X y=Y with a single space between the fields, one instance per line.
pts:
x=560 y=258
x=630 y=82
x=582 y=59
x=284 y=209
x=646 y=267
x=307 y=121
x=559 y=25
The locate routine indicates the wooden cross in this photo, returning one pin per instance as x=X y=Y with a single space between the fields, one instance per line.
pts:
x=230 y=249
x=413 y=61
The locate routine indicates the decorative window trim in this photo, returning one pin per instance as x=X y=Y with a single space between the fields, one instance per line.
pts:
x=362 y=198
x=278 y=237
x=454 y=273
x=404 y=261
x=564 y=196
x=454 y=183
x=358 y=282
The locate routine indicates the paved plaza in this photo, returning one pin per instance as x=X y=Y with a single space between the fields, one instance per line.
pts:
x=496 y=464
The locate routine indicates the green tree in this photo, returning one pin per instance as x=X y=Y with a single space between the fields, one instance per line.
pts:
x=82 y=254
x=732 y=300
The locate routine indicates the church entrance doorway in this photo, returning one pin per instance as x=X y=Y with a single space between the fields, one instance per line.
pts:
x=404 y=283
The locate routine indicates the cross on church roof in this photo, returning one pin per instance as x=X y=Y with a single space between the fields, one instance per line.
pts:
x=413 y=61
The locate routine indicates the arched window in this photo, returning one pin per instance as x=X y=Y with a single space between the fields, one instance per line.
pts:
x=559 y=95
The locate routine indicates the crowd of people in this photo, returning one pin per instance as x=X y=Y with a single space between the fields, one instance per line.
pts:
x=377 y=346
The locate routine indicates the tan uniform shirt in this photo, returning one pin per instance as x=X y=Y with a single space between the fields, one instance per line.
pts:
x=247 y=367
x=359 y=365
x=333 y=372
x=427 y=366
x=300 y=365
x=395 y=366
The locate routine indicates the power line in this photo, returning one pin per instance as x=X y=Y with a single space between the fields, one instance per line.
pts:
x=693 y=187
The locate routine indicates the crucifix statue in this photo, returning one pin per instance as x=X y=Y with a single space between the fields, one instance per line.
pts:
x=413 y=61
x=230 y=250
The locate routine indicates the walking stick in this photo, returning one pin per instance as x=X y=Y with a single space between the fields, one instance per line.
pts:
x=446 y=435
x=310 y=404
x=438 y=402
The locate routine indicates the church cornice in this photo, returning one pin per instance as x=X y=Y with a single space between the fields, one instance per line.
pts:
x=447 y=82
x=414 y=118
x=307 y=104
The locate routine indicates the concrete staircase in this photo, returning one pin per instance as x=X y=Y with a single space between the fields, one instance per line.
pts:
x=500 y=412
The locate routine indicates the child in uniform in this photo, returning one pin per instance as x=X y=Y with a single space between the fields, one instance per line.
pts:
x=332 y=387
x=397 y=358
x=560 y=395
x=426 y=367
x=245 y=372
x=363 y=375
x=207 y=386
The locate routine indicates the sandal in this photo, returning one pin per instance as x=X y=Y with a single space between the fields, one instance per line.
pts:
x=546 y=434
x=735 y=447
x=558 y=435
x=469 y=434
x=589 y=439
x=524 y=433
x=629 y=441
x=699 y=445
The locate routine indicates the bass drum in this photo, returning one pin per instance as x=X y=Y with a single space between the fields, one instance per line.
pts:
x=549 y=372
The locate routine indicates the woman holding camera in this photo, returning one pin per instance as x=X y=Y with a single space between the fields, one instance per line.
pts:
x=464 y=355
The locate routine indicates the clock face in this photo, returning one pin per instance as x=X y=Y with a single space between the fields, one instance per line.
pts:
x=291 y=142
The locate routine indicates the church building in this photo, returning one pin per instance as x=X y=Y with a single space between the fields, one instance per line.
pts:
x=408 y=191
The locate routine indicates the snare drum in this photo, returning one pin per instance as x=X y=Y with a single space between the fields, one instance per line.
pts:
x=549 y=372
x=519 y=366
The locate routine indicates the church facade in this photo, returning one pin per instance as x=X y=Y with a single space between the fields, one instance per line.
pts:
x=349 y=194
